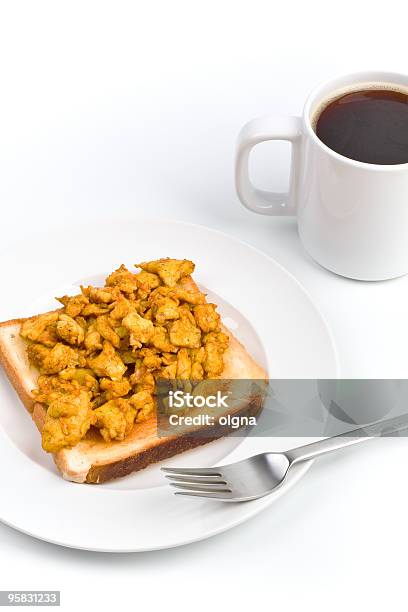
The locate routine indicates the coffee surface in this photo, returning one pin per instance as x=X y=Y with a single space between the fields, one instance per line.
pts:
x=369 y=126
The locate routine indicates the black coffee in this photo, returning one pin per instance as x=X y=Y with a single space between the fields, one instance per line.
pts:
x=369 y=126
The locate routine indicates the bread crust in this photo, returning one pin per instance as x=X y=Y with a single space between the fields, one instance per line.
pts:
x=12 y=370
x=94 y=461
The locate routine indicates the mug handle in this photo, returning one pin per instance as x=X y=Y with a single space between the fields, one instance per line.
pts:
x=261 y=130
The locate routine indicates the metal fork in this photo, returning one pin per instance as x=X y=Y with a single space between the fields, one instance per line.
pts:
x=259 y=475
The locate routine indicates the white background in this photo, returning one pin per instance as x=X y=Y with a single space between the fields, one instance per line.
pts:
x=107 y=107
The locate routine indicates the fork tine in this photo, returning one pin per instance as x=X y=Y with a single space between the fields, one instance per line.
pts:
x=193 y=471
x=193 y=493
x=192 y=486
x=196 y=479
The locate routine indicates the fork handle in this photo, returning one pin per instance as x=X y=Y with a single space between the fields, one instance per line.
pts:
x=328 y=445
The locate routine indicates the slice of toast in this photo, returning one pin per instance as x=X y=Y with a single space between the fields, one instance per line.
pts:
x=93 y=460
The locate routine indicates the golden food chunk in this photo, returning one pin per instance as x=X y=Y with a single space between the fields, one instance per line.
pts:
x=161 y=341
x=108 y=363
x=215 y=345
x=69 y=330
x=219 y=338
x=82 y=322
x=61 y=357
x=138 y=374
x=191 y=297
x=83 y=376
x=123 y=334
x=183 y=365
x=151 y=360
x=73 y=305
x=94 y=310
x=169 y=372
x=104 y=327
x=185 y=312
x=143 y=402
x=197 y=356
x=93 y=339
x=113 y=389
x=206 y=317
x=50 y=387
x=37 y=328
x=169 y=270
x=145 y=311
x=168 y=358
x=68 y=405
x=115 y=419
x=213 y=363
x=165 y=309
x=37 y=353
x=123 y=279
x=128 y=357
x=52 y=361
x=67 y=420
x=143 y=381
x=122 y=308
x=101 y=295
x=140 y=329
x=197 y=371
x=184 y=333
x=49 y=337
x=147 y=281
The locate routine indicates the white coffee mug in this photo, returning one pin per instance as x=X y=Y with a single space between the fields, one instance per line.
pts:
x=352 y=216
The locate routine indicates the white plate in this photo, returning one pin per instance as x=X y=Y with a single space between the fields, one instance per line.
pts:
x=263 y=304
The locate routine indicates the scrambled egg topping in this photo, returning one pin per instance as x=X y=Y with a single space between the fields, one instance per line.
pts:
x=100 y=356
